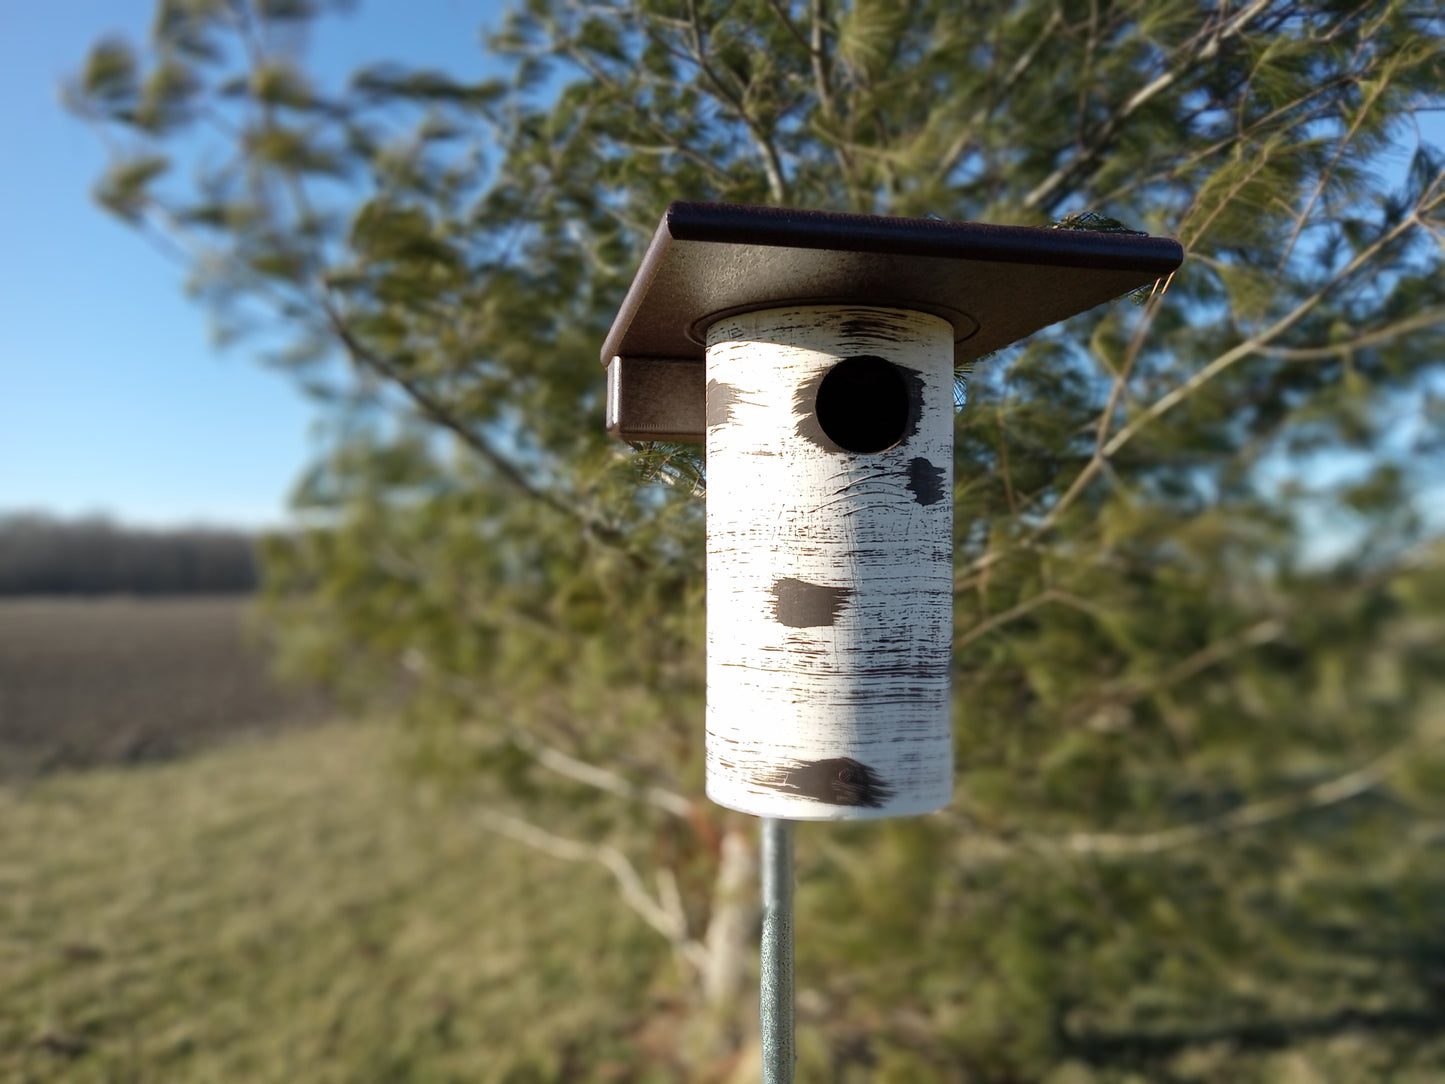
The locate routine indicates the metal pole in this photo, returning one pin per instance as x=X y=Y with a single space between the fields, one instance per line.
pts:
x=776 y=1000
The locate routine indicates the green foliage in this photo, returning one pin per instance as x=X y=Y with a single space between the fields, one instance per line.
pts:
x=123 y=189
x=1198 y=608
x=110 y=74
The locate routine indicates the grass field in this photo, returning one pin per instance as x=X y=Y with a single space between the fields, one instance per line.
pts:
x=289 y=909
x=281 y=903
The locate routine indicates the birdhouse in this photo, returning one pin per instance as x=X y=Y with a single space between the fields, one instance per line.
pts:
x=814 y=355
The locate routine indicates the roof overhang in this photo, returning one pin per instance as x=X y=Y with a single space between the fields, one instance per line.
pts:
x=994 y=284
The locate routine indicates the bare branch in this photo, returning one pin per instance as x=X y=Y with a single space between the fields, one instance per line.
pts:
x=1182 y=391
x=989 y=847
x=706 y=164
x=439 y=412
x=666 y=921
x=1173 y=398
x=956 y=150
x=1179 y=169
x=1048 y=191
x=1375 y=89
x=1131 y=355
x=822 y=75
x=591 y=775
x=813 y=45
x=1419 y=322
x=772 y=166
x=1127 y=692
x=983 y=628
x=1254 y=815
x=669 y=898
x=789 y=25
x=1005 y=470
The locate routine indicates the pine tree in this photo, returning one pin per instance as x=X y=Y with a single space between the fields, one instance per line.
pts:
x=1200 y=599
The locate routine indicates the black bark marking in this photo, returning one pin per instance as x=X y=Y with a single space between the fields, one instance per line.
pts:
x=803 y=605
x=926 y=481
x=867 y=326
x=915 y=401
x=836 y=781
x=927 y=671
x=805 y=405
x=720 y=400
x=805 y=402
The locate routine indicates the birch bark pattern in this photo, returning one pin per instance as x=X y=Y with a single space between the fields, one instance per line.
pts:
x=829 y=571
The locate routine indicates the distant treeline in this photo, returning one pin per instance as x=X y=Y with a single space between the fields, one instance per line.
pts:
x=40 y=555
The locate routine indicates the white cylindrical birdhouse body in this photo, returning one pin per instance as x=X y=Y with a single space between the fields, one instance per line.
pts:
x=828 y=430
x=829 y=561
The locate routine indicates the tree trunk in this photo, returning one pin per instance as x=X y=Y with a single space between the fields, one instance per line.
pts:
x=728 y=1013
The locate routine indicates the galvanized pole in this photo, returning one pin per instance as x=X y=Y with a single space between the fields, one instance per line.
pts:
x=776 y=987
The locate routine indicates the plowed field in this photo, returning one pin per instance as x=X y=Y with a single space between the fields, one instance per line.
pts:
x=89 y=681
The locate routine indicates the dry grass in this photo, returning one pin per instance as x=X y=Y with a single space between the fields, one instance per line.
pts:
x=292 y=910
x=282 y=906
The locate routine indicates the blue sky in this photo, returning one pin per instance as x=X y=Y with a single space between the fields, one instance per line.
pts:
x=112 y=398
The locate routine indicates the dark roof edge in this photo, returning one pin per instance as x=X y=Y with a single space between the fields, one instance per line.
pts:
x=785 y=227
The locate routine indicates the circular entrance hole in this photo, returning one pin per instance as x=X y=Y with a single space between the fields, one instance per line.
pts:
x=863 y=404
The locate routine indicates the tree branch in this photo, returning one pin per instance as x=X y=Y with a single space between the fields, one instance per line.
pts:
x=1178 y=394
x=591 y=775
x=1047 y=193
x=772 y=166
x=433 y=408
x=1374 y=89
x=1173 y=398
x=1024 y=608
x=990 y=847
x=955 y=152
x=706 y=164
x=1253 y=815
x=1428 y=318
x=1261 y=632
x=1131 y=355
x=664 y=917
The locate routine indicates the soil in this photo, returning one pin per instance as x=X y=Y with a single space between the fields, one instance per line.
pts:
x=89 y=681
